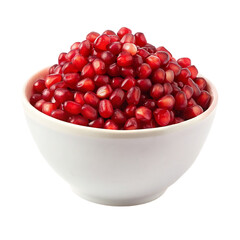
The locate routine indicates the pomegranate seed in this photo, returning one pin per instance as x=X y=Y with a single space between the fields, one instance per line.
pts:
x=79 y=61
x=177 y=120
x=92 y=36
x=191 y=112
x=47 y=95
x=167 y=88
x=164 y=57
x=48 y=107
x=69 y=67
x=137 y=61
x=144 y=71
x=91 y=58
x=78 y=120
x=117 y=97
x=196 y=90
x=62 y=94
x=166 y=102
x=162 y=117
x=52 y=79
x=131 y=124
x=104 y=91
x=39 y=86
x=204 y=99
x=157 y=91
x=143 y=114
x=191 y=102
x=150 y=48
x=193 y=70
x=110 y=124
x=58 y=70
x=164 y=50
x=153 y=61
x=75 y=45
x=91 y=99
x=130 y=110
x=201 y=82
x=88 y=71
x=105 y=108
x=38 y=104
x=128 y=38
x=169 y=76
x=140 y=39
x=101 y=80
x=79 y=98
x=175 y=89
x=150 y=124
x=61 y=84
x=85 y=85
x=114 y=38
x=118 y=117
x=188 y=91
x=108 y=57
x=114 y=70
x=89 y=112
x=102 y=42
x=175 y=68
x=184 y=75
x=62 y=58
x=184 y=62
x=71 y=54
x=85 y=48
x=72 y=107
x=133 y=95
x=116 y=82
x=124 y=59
x=59 y=114
x=35 y=97
x=144 y=84
x=71 y=79
x=128 y=83
x=180 y=100
x=143 y=53
x=130 y=47
x=109 y=32
x=123 y=31
x=99 y=66
x=97 y=123
x=150 y=103
x=52 y=68
x=115 y=48
x=158 y=75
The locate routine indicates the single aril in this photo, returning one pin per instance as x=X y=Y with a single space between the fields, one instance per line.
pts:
x=108 y=57
x=157 y=91
x=115 y=48
x=119 y=117
x=184 y=75
x=79 y=98
x=62 y=58
x=177 y=120
x=85 y=85
x=174 y=67
x=92 y=36
x=89 y=112
x=204 y=99
x=34 y=98
x=117 y=97
x=69 y=67
x=151 y=124
x=59 y=114
x=48 y=107
x=75 y=45
x=91 y=98
x=153 y=61
x=140 y=39
x=130 y=47
x=78 y=120
x=123 y=31
x=143 y=53
x=169 y=76
x=52 y=79
x=105 y=108
x=150 y=48
x=201 y=82
x=79 y=61
x=85 y=48
x=144 y=71
x=102 y=42
x=150 y=103
x=127 y=71
x=191 y=112
x=114 y=38
x=116 y=82
x=191 y=102
x=113 y=70
x=196 y=90
x=137 y=61
x=164 y=50
x=109 y=32
x=52 y=68
x=101 y=80
x=110 y=124
x=193 y=70
x=133 y=95
x=71 y=54
x=71 y=79
x=104 y=91
x=184 y=62
x=99 y=66
x=97 y=123
x=124 y=59
x=38 y=104
x=88 y=71
x=128 y=83
x=166 y=102
x=168 y=89
x=180 y=100
x=130 y=110
x=144 y=84
x=162 y=117
x=188 y=91
x=164 y=57
x=72 y=107
x=47 y=95
x=143 y=114
x=62 y=94
x=39 y=86
x=159 y=75
x=175 y=89
x=131 y=124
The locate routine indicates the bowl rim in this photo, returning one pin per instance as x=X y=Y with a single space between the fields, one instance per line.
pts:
x=78 y=129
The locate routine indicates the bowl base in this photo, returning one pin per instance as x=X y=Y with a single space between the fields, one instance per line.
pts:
x=119 y=202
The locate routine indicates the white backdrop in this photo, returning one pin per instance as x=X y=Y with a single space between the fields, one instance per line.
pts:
x=35 y=203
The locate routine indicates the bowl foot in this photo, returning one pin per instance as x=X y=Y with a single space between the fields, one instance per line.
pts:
x=119 y=202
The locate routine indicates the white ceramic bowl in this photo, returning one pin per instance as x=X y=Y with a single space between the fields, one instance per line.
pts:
x=118 y=167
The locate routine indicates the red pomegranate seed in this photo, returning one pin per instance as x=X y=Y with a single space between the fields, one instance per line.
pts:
x=92 y=36
x=62 y=94
x=188 y=91
x=35 y=97
x=97 y=123
x=158 y=75
x=79 y=98
x=133 y=95
x=119 y=117
x=88 y=71
x=69 y=67
x=52 y=68
x=137 y=61
x=201 y=82
x=108 y=57
x=61 y=84
x=191 y=102
x=38 y=104
x=115 y=48
x=62 y=58
x=52 y=79
x=109 y=32
x=101 y=80
x=102 y=42
x=157 y=91
x=48 y=107
x=180 y=100
x=162 y=117
x=72 y=107
x=91 y=58
x=150 y=48
x=114 y=38
x=131 y=124
x=128 y=83
x=184 y=75
x=113 y=70
x=164 y=50
x=116 y=82
x=123 y=31
x=193 y=70
x=175 y=68
x=117 y=97
x=59 y=114
x=71 y=79
x=196 y=90
x=124 y=59
x=143 y=53
x=99 y=66
x=71 y=54
x=47 y=95
x=79 y=61
x=177 y=120
x=140 y=39
x=110 y=124
x=191 y=112
x=144 y=84
x=78 y=120
x=184 y=62
x=104 y=91
x=169 y=76
x=153 y=61
x=91 y=99
x=89 y=112
x=39 y=86
x=105 y=108
x=143 y=114
x=175 y=89
x=150 y=103
x=144 y=71
x=127 y=71
x=164 y=57
x=130 y=47
x=204 y=99
x=130 y=110
x=85 y=85
x=75 y=45
x=166 y=102
x=168 y=89
x=151 y=124
x=128 y=38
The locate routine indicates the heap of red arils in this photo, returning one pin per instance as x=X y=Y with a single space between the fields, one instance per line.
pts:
x=119 y=81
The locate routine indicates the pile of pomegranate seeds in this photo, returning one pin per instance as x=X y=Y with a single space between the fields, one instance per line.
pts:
x=119 y=81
